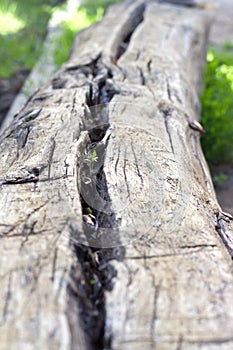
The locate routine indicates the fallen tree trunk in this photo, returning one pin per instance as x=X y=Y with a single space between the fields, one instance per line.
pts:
x=111 y=235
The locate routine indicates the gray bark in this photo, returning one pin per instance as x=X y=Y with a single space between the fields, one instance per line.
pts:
x=111 y=234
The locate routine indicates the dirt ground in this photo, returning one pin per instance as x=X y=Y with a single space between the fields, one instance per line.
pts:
x=224 y=190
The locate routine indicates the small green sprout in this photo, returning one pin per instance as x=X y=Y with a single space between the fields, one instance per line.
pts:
x=89 y=210
x=91 y=159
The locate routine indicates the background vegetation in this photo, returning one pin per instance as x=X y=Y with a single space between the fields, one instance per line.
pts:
x=22 y=31
x=23 y=27
x=217 y=106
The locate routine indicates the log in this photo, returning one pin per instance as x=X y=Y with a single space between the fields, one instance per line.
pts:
x=111 y=234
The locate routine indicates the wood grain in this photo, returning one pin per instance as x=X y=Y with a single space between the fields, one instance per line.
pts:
x=111 y=234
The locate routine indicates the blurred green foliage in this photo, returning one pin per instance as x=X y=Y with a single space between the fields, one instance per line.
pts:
x=217 y=106
x=22 y=33
x=23 y=26
x=92 y=6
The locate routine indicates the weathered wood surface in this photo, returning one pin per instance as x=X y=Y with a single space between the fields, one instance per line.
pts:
x=129 y=250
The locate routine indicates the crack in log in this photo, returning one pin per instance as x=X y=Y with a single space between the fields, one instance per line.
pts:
x=27 y=226
x=149 y=64
x=180 y=343
x=97 y=278
x=167 y=116
x=198 y=246
x=27 y=174
x=122 y=48
x=24 y=175
x=125 y=177
x=22 y=137
x=167 y=113
x=93 y=170
x=188 y=3
x=142 y=77
x=19 y=181
x=51 y=153
x=88 y=288
x=28 y=230
x=30 y=115
x=8 y=236
x=117 y=159
x=169 y=255
x=136 y=164
x=7 y=299
x=168 y=90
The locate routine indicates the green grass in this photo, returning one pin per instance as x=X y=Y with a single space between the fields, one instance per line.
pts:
x=23 y=26
x=22 y=31
x=217 y=106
